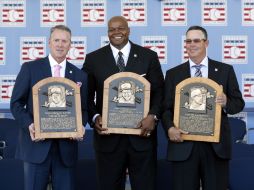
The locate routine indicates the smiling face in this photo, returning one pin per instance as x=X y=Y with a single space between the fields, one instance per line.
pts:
x=118 y=32
x=196 y=49
x=59 y=44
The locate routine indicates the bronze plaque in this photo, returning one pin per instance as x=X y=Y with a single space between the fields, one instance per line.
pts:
x=57 y=108
x=126 y=101
x=196 y=110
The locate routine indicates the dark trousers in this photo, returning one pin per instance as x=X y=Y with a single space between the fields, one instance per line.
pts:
x=37 y=176
x=203 y=168
x=112 y=166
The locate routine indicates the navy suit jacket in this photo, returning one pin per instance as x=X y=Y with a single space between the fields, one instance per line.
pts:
x=22 y=110
x=100 y=65
x=224 y=75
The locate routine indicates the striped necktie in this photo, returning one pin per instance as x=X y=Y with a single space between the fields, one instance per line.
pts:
x=198 y=72
x=120 y=62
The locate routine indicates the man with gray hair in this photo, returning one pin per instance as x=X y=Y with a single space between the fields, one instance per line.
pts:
x=47 y=157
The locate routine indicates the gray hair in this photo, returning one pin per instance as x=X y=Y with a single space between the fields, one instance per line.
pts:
x=60 y=27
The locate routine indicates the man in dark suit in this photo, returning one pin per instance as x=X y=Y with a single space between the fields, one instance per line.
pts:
x=117 y=152
x=194 y=162
x=46 y=157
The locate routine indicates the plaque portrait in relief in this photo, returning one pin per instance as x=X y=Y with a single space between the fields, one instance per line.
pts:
x=56 y=96
x=126 y=93
x=197 y=100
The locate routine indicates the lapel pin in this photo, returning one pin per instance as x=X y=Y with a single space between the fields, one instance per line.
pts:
x=216 y=69
x=135 y=55
x=70 y=72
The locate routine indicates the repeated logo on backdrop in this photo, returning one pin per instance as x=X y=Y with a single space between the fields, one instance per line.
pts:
x=52 y=12
x=234 y=49
x=93 y=13
x=174 y=12
x=157 y=44
x=247 y=12
x=185 y=56
x=104 y=41
x=77 y=52
x=2 y=50
x=248 y=87
x=32 y=48
x=13 y=13
x=135 y=12
x=214 y=12
x=6 y=85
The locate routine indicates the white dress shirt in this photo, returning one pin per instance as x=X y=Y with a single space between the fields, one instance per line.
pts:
x=53 y=62
x=204 y=68
x=125 y=50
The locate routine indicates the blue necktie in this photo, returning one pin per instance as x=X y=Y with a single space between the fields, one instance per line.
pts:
x=120 y=62
x=198 y=72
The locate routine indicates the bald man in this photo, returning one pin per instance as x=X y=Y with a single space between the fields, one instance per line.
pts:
x=115 y=153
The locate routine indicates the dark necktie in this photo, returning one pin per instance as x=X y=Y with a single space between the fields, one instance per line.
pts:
x=198 y=72
x=120 y=62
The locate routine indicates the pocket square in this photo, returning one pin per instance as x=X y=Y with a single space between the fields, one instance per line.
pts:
x=79 y=84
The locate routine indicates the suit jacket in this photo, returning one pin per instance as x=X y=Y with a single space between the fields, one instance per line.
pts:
x=224 y=75
x=22 y=110
x=100 y=65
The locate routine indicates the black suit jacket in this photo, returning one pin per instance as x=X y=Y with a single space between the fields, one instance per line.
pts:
x=224 y=75
x=100 y=65
x=22 y=110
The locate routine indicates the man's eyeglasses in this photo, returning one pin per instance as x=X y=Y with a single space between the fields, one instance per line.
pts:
x=195 y=41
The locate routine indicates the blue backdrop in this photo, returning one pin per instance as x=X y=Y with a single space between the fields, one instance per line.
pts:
x=159 y=25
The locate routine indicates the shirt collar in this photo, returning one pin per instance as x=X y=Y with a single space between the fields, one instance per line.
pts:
x=204 y=62
x=53 y=62
x=125 y=50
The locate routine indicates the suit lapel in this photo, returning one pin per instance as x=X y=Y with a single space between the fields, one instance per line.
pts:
x=46 y=67
x=213 y=70
x=133 y=57
x=110 y=60
x=185 y=72
x=69 y=73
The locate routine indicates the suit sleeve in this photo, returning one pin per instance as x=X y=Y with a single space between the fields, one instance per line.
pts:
x=168 y=102
x=156 y=78
x=20 y=97
x=84 y=93
x=87 y=67
x=235 y=102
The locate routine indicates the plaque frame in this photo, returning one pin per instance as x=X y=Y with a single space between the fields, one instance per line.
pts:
x=37 y=108
x=106 y=101
x=179 y=104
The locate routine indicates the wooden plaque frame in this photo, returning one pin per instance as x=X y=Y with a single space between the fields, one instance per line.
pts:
x=107 y=102
x=71 y=110
x=210 y=113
